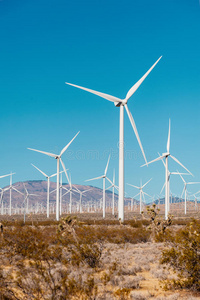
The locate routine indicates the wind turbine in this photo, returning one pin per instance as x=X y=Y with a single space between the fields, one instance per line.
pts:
x=122 y=103
x=6 y=189
x=58 y=157
x=104 y=186
x=166 y=155
x=141 y=193
x=10 y=188
x=26 y=199
x=48 y=185
x=70 y=187
x=185 y=190
x=169 y=174
x=113 y=186
x=81 y=194
x=195 y=200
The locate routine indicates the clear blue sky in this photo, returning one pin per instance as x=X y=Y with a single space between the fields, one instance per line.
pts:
x=106 y=46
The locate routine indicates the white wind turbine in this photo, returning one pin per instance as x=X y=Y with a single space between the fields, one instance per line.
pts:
x=141 y=193
x=70 y=190
x=185 y=190
x=6 y=189
x=26 y=199
x=196 y=200
x=122 y=103
x=104 y=186
x=166 y=155
x=81 y=193
x=169 y=175
x=58 y=157
x=10 y=188
x=48 y=185
x=113 y=186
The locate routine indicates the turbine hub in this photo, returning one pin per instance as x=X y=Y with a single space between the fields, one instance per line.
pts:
x=118 y=104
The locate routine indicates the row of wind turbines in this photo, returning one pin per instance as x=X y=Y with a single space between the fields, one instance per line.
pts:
x=121 y=103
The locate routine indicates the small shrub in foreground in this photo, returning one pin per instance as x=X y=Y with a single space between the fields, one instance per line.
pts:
x=183 y=256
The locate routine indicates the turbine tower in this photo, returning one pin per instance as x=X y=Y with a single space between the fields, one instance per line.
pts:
x=169 y=175
x=122 y=103
x=113 y=186
x=58 y=158
x=48 y=185
x=104 y=186
x=166 y=155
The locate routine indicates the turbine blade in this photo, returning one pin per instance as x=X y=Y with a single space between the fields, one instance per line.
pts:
x=162 y=188
x=174 y=158
x=94 y=178
x=5 y=175
x=136 y=195
x=74 y=190
x=177 y=173
x=182 y=192
x=197 y=192
x=62 y=163
x=109 y=180
x=146 y=194
x=106 y=169
x=137 y=84
x=40 y=170
x=18 y=191
x=109 y=187
x=86 y=191
x=102 y=95
x=146 y=183
x=137 y=187
x=26 y=190
x=47 y=153
x=168 y=140
x=77 y=189
x=135 y=130
x=193 y=182
x=158 y=158
x=56 y=173
x=117 y=188
x=52 y=191
x=181 y=177
x=65 y=148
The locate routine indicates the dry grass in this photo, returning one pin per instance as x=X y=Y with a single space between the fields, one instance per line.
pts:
x=127 y=268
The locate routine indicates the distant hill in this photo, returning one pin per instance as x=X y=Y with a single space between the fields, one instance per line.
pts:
x=39 y=187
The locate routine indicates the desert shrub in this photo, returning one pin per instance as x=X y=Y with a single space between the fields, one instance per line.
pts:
x=158 y=226
x=109 y=234
x=88 y=253
x=105 y=278
x=38 y=266
x=183 y=256
x=160 y=273
x=122 y=293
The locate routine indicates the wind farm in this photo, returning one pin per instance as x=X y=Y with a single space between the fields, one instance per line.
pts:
x=91 y=93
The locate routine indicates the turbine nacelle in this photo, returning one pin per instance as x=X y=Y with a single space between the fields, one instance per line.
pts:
x=166 y=154
x=118 y=104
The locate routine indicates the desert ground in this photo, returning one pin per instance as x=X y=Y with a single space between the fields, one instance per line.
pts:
x=86 y=257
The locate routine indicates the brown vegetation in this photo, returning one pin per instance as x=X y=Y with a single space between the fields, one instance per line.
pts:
x=85 y=260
